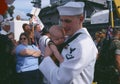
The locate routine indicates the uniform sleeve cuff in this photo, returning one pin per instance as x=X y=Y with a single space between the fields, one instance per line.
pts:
x=117 y=51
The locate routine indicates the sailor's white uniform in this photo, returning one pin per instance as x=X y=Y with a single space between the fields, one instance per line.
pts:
x=78 y=65
x=4 y=32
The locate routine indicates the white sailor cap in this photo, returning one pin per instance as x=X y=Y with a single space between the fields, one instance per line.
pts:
x=5 y=23
x=71 y=8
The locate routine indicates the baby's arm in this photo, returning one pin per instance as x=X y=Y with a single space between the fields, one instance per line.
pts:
x=56 y=53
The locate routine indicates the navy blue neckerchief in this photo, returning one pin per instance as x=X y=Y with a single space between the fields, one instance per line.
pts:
x=60 y=47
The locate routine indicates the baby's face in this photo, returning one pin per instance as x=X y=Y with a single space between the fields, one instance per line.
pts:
x=58 y=39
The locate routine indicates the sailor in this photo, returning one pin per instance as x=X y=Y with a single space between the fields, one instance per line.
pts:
x=80 y=54
x=5 y=28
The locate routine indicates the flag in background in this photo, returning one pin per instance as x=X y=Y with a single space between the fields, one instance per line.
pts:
x=109 y=33
x=3 y=7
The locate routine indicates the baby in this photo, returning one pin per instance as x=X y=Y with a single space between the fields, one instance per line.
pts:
x=57 y=36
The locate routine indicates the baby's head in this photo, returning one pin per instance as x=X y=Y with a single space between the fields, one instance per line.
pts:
x=57 y=34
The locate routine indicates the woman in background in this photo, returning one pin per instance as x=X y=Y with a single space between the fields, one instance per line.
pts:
x=27 y=61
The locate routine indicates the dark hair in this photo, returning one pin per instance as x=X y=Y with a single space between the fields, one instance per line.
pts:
x=45 y=31
x=27 y=36
x=23 y=26
x=35 y=26
x=6 y=44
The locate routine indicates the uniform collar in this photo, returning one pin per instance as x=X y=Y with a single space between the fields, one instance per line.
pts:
x=83 y=31
x=4 y=32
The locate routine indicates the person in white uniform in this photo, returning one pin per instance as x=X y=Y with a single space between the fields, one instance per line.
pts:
x=5 y=28
x=79 y=54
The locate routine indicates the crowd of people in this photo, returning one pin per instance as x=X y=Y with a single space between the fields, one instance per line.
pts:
x=62 y=54
x=108 y=62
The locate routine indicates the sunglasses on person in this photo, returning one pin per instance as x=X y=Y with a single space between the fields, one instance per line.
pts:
x=23 y=38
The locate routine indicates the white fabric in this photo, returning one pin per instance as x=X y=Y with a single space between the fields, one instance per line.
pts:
x=43 y=41
x=100 y=17
x=117 y=51
x=4 y=32
x=79 y=68
x=71 y=8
